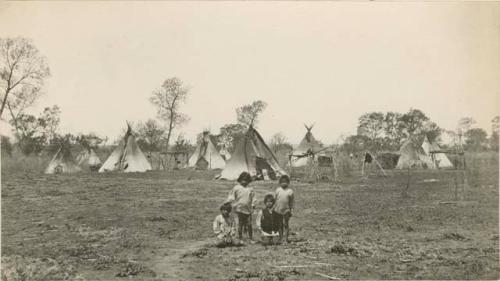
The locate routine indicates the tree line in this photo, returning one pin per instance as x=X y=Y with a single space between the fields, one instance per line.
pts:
x=23 y=71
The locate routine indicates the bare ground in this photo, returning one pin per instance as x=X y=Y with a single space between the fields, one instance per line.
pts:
x=157 y=226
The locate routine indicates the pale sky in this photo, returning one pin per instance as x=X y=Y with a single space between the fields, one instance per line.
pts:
x=322 y=62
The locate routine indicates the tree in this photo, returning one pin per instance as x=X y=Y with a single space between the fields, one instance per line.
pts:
x=464 y=124
x=22 y=73
x=248 y=114
x=150 y=135
x=229 y=135
x=476 y=139
x=393 y=129
x=371 y=125
x=356 y=143
x=168 y=99
x=29 y=134
x=432 y=131
x=495 y=124
x=494 y=141
x=413 y=122
x=279 y=142
x=49 y=122
x=90 y=140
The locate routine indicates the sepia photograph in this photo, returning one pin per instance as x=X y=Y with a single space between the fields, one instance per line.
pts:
x=249 y=140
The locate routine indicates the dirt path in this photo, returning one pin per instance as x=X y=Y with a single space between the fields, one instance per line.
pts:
x=168 y=261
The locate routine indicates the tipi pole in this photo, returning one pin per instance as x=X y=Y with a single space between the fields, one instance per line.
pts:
x=378 y=164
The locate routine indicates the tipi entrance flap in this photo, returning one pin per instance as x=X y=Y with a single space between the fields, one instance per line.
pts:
x=248 y=156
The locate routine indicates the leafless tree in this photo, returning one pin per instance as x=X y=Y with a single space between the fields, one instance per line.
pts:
x=22 y=73
x=168 y=99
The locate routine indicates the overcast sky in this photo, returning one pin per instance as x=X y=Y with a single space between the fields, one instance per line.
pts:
x=323 y=62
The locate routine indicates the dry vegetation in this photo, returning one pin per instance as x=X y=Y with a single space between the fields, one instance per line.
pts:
x=157 y=226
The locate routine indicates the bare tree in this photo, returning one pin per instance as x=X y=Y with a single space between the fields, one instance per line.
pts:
x=168 y=100
x=278 y=141
x=22 y=73
x=248 y=114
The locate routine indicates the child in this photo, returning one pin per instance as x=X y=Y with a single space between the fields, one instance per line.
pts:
x=242 y=198
x=268 y=221
x=284 y=205
x=224 y=227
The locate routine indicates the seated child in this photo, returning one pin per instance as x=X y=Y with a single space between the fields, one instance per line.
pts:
x=225 y=227
x=268 y=221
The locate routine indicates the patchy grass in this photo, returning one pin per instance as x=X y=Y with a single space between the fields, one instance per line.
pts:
x=157 y=226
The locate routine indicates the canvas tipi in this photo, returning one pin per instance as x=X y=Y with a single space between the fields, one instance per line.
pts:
x=308 y=146
x=62 y=162
x=413 y=156
x=252 y=155
x=438 y=158
x=127 y=156
x=89 y=158
x=206 y=155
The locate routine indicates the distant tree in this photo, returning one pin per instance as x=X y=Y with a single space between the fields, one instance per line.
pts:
x=49 y=122
x=248 y=114
x=393 y=129
x=494 y=141
x=413 y=122
x=90 y=140
x=168 y=99
x=495 y=125
x=279 y=142
x=356 y=143
x=464 y=125
x=371 y=125
x=150 y=135
x=6 y=145
x=29 y=134
x=230 y=135
x=432 y=131
x=22 y=73
x=476 y=139
x=182 y=144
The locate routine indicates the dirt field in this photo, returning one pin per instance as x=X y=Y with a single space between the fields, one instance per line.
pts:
x=157 y=226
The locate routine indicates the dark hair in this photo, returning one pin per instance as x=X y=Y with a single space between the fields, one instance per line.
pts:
x=226 y=206
x=269 y=197
x=284 y=178
x=244 y=176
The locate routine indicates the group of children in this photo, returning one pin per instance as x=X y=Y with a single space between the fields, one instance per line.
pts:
x=272 y=221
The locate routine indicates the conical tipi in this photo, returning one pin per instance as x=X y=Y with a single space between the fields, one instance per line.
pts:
x=88 y=158
x=438 y=158
x=308 y=145
x=206 y=155
x=413 y=156
x=62 y=162
x=127 y=156
x=252 y=155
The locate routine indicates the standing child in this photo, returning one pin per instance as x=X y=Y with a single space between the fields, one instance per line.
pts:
x=224 y=227
x=242 y=198
x=284 y=205
x=268 y=221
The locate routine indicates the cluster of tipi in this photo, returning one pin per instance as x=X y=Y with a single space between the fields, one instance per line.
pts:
x=251 y=155
x=427 y=155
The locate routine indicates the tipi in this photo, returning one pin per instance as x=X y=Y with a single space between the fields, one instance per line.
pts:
x=89 y=158
x=206 y=155
x=127 y=156
x=438 y=158
x=308 y=145
x=62 y=162
x=413 y=156
x=252 y=155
